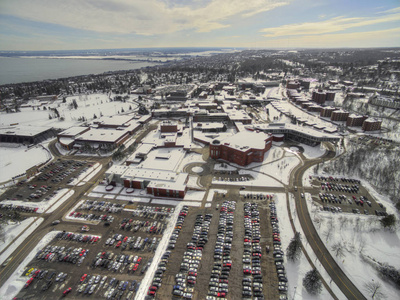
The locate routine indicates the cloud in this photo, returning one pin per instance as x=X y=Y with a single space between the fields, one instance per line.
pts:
x=143 y=17
x=327 y=26
x=377 y=38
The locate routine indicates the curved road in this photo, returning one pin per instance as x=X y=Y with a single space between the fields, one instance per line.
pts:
x=335 y=272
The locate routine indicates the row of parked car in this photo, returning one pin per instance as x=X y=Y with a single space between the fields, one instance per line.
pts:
x=151 y=212
x=162 y=265
x=257 y=196
x=330 y=186
x=335 y=179
x=133 y=243
x=47 y=276
x=252 y=282
x=219 y=279
x=112 y=262
x=278 y=253
x=186 y=279
x=115 y=288
x=62 y=254
x=101 y=206
x=18 y=208
x=77 y=237
x=90 y=217
x=154 y=227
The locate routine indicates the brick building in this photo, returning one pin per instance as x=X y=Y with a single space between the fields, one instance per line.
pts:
x=371 y=125
x=354 y=120
x=242 y=148
x=168 y=126
x=318 y=97
x=327 y=111
x=339 y=115
x=330 y=96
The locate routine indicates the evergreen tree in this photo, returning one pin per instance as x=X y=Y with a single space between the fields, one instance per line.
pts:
x=293 y=251
x=312 y=282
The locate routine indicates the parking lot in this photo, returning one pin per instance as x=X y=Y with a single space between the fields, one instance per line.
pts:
x=345 y=195
x=210 y=254
x=53 y=176
x=106 y=259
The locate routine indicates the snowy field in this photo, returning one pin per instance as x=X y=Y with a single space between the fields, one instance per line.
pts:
x=15 y=159
x=88 y=106
x=363 y=243
x=15 y=282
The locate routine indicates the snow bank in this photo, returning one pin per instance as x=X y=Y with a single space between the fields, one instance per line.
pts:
x=148 y=277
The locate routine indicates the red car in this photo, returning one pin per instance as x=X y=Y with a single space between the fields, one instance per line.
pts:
x=139 y=259
x=36 y=274
x=135 y=267
x=222 y=295
x=67 y=291
x=118 y=244
x=28 y=283
x=83 y=277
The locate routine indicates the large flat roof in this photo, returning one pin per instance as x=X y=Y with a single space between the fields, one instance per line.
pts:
x=101 y=135
x=245 y=140
x=23 y=130
x=73 y=131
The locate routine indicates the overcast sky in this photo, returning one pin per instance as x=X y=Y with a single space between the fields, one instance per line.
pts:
x=103 y=24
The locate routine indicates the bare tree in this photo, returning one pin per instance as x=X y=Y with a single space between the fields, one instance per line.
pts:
x=373 y=289
x=362 y=244
x=2 y=233
x=338 y=249
x=328 y=234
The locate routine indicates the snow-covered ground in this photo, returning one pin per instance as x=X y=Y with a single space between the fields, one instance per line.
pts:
x=15 y=282
x=15 y=159
x=88 y=106
x=295 y=270
x=194 y=195
x=280 y=169
x=11 y=231
x=363 y=242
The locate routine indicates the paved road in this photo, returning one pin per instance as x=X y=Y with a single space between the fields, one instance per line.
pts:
x=330 y=265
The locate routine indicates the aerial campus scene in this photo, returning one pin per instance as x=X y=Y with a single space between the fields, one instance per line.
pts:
x=205 y=150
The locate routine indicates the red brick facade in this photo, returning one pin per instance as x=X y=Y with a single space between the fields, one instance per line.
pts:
x=241 y=156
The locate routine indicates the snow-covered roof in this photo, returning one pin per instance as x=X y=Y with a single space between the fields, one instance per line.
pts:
x=287 y=127
x=102 y=135
x=245 y=140
x=23 y=130
x=73 y=131
x=114 y=120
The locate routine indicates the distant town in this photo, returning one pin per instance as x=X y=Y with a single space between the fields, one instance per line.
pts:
x=213 y=174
